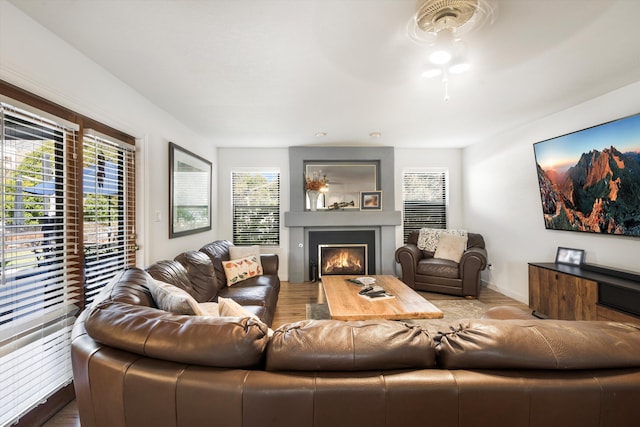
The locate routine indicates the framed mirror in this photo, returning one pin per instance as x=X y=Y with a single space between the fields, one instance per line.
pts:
x=345 y=181
x=189 y=192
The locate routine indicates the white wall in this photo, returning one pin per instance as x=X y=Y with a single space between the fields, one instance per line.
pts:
x=253 y=158
x=36 y=60
x=502 y=200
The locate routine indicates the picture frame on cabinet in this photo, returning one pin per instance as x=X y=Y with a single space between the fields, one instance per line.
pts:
x=569 y=256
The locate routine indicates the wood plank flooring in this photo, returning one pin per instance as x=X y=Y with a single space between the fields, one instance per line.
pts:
x=292 y=303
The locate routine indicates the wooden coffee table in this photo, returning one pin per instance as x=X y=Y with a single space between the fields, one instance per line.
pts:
x=345 y=303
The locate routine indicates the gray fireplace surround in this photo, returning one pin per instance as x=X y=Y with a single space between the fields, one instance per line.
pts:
x=300 y=221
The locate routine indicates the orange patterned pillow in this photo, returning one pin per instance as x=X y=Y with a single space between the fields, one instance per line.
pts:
x=241 y=269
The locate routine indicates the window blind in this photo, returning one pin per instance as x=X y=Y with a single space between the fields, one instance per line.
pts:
x=256 y=208
x=109 y=233
x=424 y=199
x=40 y=287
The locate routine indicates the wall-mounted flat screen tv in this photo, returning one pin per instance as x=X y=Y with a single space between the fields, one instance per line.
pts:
x=590 y=179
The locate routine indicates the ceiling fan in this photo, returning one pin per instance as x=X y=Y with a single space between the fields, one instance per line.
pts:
x=440 y=25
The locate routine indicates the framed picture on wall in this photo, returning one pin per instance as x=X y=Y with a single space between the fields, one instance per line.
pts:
x=189 y=192
x=371 y=200
x=569 y=256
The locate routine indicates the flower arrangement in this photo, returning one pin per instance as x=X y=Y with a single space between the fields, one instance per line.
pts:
x=315 y=182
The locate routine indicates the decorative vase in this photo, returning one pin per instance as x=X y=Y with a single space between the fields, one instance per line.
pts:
x=313 y=199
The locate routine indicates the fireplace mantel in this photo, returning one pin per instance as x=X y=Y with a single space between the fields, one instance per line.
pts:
x=342 y=218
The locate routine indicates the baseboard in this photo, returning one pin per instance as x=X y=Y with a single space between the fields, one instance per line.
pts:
x=49 y=407
x=506 y=292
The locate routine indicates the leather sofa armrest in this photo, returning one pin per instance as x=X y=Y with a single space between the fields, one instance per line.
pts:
x=474 y=254
x=270 y=264
x=408 y=256
x=472 y=262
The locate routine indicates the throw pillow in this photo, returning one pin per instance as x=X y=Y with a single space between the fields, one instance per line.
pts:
x=451 y=247
x=237 y=252
x=241 y=269
x=428 y=239
x=230 y=308
x=171 y=298
x=208 y=309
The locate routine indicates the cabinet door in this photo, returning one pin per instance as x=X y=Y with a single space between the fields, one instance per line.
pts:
x=577 y=298
x=543 y=291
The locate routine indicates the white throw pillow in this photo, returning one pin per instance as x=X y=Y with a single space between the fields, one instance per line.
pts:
x=208 y=309
x=230 y=308
x=171 y=298
x=451 y=247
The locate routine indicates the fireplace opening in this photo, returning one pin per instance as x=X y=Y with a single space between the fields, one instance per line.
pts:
x=337 y=259
x=345 y=238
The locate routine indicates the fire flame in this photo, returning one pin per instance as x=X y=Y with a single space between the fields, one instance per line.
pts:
x=342 y=261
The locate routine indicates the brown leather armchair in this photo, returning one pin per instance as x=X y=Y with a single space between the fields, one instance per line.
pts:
x=423 y=272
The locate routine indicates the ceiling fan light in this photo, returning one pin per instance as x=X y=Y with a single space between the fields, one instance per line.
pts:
x=431 y=73
x=459 y=67
x=440 y=57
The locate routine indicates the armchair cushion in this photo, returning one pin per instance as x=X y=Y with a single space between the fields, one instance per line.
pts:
x=439 y=267
x=451 y=247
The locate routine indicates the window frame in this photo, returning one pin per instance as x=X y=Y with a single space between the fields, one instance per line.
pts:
x=39 y=408
x=438 y=174
x=277 y=209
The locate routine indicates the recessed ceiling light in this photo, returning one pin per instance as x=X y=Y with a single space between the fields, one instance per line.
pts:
x=321 y=134
x=375 y=134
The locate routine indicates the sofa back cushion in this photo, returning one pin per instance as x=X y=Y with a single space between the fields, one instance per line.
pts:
x=201 y=275
x=539 y=344
x=218 y=251
x=130 y=286
x=171 y=271
x=199 y=340
x=331 y=345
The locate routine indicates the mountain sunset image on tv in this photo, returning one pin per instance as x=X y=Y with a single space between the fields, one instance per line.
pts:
x=590 y=179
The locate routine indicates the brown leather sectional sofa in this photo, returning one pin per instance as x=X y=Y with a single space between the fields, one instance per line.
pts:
x=136 y=365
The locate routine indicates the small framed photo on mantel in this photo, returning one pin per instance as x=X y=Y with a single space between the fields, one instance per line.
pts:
x=371 y=200
x=570 y=256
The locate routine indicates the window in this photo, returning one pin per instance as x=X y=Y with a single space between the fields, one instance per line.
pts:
x=40 y=286
x=109 y=215
x=424 y=200
x=256 y=207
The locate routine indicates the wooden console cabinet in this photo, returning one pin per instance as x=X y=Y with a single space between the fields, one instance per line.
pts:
x=589 y=292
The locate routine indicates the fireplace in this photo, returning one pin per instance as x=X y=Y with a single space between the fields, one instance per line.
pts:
x=355 y=246
x=342 y=259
